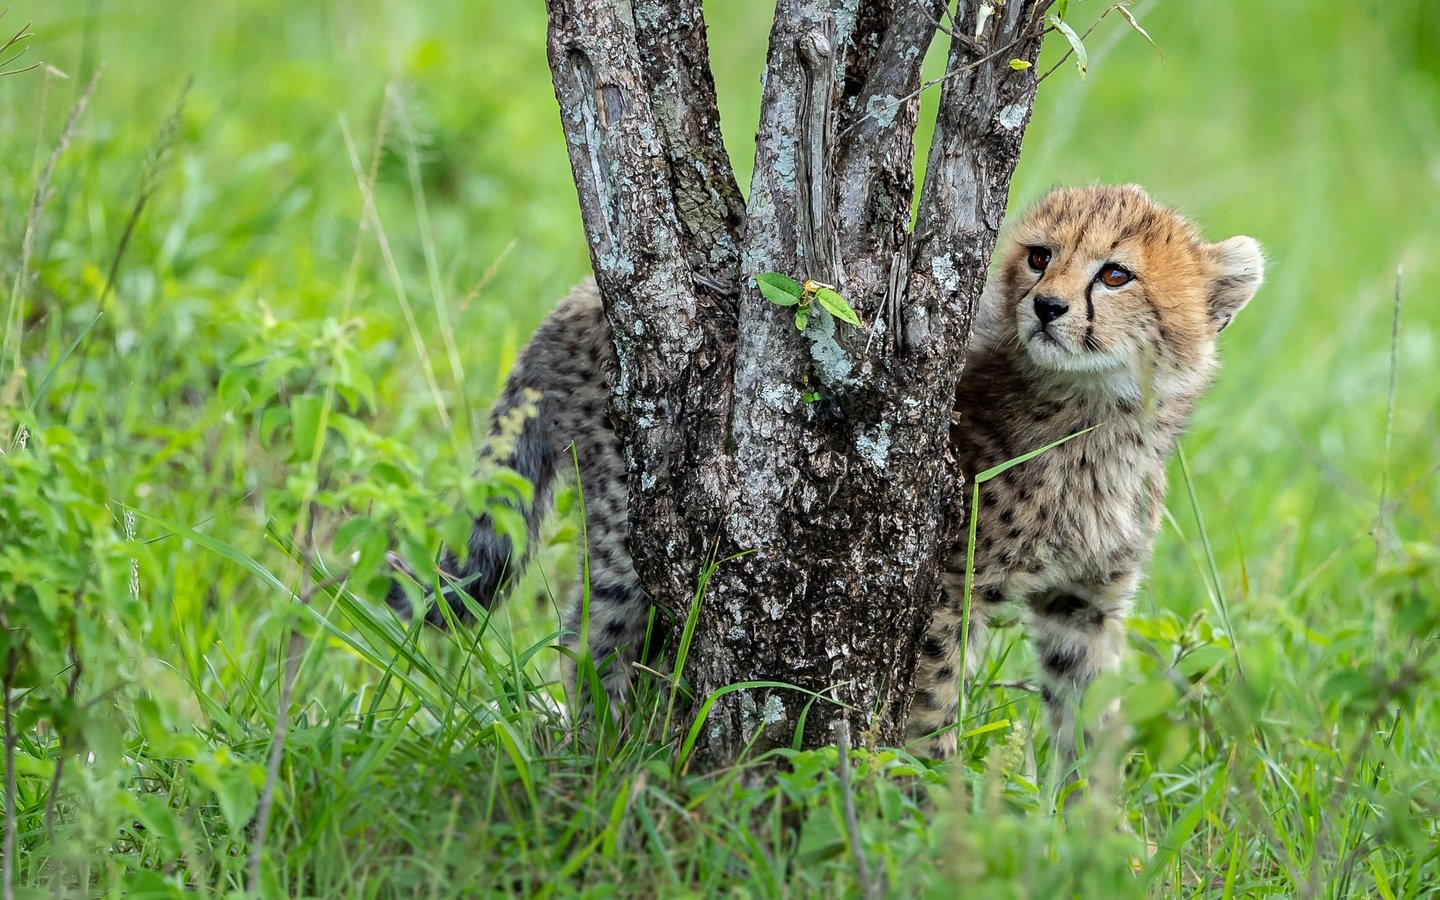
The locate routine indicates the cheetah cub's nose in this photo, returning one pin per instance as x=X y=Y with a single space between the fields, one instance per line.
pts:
x=1048 y=309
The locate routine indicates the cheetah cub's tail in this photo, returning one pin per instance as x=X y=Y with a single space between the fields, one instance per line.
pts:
x=544 y=408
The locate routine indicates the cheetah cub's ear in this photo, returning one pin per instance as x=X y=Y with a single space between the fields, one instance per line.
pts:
x=1238 y=269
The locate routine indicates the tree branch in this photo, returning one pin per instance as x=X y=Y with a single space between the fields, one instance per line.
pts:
x=617 y=150
x=663 y=219
x=675 y=53
x=870 y=29
x=783 y=227
x=984 y=108
x=876 y=157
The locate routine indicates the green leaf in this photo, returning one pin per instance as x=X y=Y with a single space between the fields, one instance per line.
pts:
x=810 y=396
x=50 y=375
x=1130 y=17
x=1019 y=65
x=1082 y=59
x=1351 y=685
x=1148 y=700
x=160 y=823
x=237 y=797
x=802 y=318
x=234 y=387
x=305 y=424
x=837 y=306
x=270 y=420
x=781 y=290
x=1012 y=463
x=347 y=534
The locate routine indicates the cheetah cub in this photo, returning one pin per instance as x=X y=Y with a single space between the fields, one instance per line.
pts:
x=1101 y=314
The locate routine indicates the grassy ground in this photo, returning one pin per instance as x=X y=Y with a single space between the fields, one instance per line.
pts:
x=216 y=354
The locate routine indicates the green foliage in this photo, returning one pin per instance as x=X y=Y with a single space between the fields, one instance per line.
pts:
x=65 y=565
x=215 y=458
x=783 y=290
x=1077 y=44
x=1076 y=41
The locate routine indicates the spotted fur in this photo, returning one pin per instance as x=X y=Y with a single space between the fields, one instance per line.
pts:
x=566 y=371
x=1065 y=534
x=1057 y=351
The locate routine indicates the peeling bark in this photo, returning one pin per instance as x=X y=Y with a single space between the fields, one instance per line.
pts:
x=838 y=505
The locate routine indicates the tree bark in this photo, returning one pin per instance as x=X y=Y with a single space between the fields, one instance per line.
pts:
x=835 y=508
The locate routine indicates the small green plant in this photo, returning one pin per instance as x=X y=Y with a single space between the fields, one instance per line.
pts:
x=783 y=290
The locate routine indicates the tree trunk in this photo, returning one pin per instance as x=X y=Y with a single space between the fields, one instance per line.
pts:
x=836 y=506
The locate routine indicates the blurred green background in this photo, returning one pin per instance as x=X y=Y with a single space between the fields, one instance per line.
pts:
x=1313 y=126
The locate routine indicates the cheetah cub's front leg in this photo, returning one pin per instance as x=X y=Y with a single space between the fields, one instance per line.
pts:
x=1078 y=633
x=1092 y=341
x=931 y=728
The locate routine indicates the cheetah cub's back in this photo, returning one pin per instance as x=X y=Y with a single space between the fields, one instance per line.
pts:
x=1101 y=314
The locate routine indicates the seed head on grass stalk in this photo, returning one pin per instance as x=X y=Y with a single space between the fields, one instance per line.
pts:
x=157 y=158
x=14 y=43
x=14 y=313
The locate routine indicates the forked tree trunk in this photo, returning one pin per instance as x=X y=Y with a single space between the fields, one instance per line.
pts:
x=841 y=502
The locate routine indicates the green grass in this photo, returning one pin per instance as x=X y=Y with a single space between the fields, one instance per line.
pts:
x=253 y=387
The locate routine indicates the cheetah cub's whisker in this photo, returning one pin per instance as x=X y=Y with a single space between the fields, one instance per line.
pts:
x=1103 y=310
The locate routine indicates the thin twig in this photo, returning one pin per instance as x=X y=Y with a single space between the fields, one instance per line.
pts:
x=11 y=825
x=282 y=727
x=1029 y=686
x=869 y=888
x=952 y=30
x=958 y=70
x=1389 y=415
x=1070 y=51
x=37 y=201
x=23 y=34
x=52 y=800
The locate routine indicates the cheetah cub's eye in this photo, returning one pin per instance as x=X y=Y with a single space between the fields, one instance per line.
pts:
x=1039 y=258
x=1112 y=275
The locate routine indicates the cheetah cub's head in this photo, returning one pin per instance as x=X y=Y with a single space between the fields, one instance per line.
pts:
x=1107 y=288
